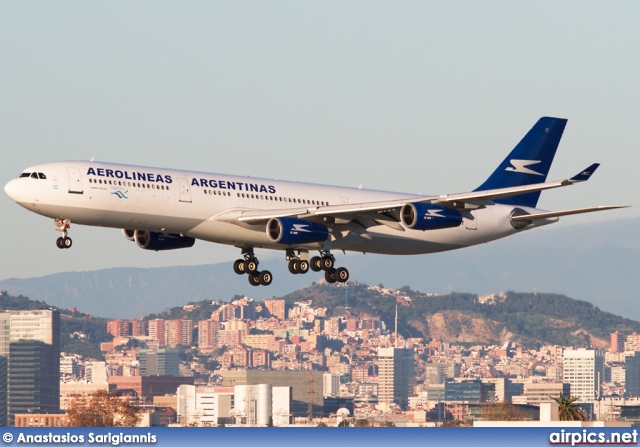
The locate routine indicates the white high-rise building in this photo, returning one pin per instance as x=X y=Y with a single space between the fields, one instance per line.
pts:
x=330 y=384
x=584 y=371
x=395 y=376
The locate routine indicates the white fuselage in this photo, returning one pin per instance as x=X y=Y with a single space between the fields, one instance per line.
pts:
x=190 y=203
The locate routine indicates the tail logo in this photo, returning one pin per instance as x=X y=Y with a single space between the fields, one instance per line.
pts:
x=521 y=166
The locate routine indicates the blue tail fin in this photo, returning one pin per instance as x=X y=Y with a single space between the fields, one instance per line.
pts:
x=529 y=162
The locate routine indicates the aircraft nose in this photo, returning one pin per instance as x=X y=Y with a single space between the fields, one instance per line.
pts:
x=11 y=189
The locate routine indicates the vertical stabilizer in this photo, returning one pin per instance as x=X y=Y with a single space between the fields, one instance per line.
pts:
x=529 y=162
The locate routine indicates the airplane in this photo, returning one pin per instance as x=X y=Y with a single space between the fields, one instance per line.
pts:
x=164 y=209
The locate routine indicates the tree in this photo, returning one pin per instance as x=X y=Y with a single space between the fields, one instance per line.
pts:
x=568 y=410
x=503 y=411
x=102 y=409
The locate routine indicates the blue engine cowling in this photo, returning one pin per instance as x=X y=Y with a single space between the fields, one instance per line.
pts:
x=423 y=216
x=150 y=240
x=290 y=231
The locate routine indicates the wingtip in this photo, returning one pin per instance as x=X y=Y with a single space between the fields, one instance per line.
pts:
x=585 y=174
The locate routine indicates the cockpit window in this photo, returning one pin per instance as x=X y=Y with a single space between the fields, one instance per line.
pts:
x=36 y=175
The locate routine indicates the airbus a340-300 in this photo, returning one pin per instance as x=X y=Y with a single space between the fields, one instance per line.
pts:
x=163 y=209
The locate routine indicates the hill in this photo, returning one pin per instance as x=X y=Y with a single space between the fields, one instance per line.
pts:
x=456 y=318
x=464 y=318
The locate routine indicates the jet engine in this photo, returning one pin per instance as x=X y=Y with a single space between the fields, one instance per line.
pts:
x=424 y=216
x=290 y=231
x=151 y=240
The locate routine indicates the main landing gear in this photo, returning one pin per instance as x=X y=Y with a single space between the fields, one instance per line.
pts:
x=63 y=225
x=249 y=265
x=326 y=261
x=297 y=265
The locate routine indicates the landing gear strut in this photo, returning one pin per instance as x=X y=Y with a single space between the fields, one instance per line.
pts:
x=327 y=262
x=249 y=265
x=63 y=225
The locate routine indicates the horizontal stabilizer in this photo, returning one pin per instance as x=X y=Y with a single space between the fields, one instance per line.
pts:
x=550 y=214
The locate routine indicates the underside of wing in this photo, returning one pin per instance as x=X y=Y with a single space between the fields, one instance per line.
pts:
x=551 y=214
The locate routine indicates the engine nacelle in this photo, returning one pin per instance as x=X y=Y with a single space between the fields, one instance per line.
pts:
x=129 y=234
x=423 y=216
x=150 y=240
x=290 y=231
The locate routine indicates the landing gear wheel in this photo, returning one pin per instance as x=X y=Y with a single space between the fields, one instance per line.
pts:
x=342 y=274
x=254 y=280
x=238 y=267
x=330 y=276
x=265 y=277
x=302 y=266
x=66 y=241
x=327 y=263
x=60 y=242
x=293 y=266
x=250 y=266
x=316 y=263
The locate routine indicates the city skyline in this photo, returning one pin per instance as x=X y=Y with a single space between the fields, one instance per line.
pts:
x=336 y=367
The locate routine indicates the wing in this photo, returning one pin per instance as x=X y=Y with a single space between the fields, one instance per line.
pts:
x=356 y=218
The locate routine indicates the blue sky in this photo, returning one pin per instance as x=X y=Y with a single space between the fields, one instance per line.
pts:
x=407 y=96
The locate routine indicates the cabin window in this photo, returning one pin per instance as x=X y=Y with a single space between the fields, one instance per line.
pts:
x=34 y=175
x=25 y=174
x=42 y=176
